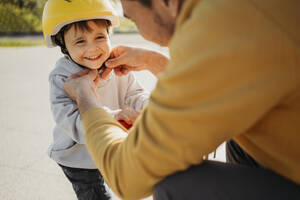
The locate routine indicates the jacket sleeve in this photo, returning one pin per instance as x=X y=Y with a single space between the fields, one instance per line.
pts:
x=65 y=111
x=136 y=96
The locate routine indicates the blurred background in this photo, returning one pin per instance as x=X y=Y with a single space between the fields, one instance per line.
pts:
x=21 y=18
x=26 y=123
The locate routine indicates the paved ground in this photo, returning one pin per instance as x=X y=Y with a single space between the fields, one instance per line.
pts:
x=26 y=123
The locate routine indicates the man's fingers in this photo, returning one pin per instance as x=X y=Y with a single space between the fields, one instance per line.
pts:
x=96 y=81
x=93 y=74
x=81 y=73
x=117 y=51
x=122 y=70
x=114 y=62
x=118 y=71
x=105 y=73
x=125 y=70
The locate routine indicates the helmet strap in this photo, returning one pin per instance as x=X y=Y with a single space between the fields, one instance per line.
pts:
x=61 y=43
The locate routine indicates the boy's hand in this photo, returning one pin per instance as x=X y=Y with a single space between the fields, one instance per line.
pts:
x=128 y=115
x=127 y=126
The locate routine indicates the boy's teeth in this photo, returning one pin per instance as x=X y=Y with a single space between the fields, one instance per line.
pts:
x=94 y=57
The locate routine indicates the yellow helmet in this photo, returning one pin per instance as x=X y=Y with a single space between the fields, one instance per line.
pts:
x=58 y=13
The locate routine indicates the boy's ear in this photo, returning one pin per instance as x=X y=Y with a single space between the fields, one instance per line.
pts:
x=172 y=6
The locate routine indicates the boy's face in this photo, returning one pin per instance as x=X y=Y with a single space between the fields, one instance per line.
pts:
x=88 y=48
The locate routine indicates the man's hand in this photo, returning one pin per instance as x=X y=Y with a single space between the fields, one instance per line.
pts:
x=125 y=59
x=81 y=87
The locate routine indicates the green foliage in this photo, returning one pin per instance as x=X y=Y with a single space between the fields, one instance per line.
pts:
x=25 y=16
x=19 y=43
x=126 y=25
x=18 y=20
x=29 y=4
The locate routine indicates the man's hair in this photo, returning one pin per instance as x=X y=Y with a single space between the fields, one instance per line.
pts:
x=147 y=3
x=80 y=25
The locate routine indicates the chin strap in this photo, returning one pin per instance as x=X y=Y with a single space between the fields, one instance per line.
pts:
x=62 y=43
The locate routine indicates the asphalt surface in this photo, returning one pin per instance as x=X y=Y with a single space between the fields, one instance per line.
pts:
x=26 y=123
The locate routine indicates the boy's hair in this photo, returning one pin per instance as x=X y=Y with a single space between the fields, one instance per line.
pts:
x=79 y=25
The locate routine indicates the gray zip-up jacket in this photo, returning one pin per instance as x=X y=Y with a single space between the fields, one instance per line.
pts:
x=68 y=147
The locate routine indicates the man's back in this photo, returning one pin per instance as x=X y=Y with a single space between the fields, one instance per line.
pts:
x=245 y=79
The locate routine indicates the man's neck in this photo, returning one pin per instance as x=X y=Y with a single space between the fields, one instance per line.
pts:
x=181 y=2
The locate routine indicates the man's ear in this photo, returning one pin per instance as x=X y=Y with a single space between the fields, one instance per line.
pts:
x=172 y=6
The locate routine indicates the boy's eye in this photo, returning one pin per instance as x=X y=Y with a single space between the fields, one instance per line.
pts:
x=100 y=37
x=79 y=41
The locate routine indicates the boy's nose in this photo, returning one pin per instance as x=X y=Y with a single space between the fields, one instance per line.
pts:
x=93 y=48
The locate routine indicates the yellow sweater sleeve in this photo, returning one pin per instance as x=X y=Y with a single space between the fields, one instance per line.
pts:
x=223 y=77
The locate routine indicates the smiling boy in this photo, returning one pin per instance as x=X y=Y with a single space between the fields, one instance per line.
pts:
x=83 y=36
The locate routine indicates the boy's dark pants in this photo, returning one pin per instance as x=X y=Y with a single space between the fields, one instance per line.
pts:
x=88 y=184
x=241 y=178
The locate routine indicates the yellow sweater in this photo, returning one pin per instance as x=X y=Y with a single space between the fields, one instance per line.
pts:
x=234 y=73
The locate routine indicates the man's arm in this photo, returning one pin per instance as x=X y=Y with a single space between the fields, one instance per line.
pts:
x=222 y=79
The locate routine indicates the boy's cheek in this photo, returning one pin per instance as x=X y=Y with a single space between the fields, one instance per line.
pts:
x=108 y=48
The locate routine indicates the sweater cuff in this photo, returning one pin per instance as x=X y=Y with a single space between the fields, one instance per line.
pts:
x=97 y=116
